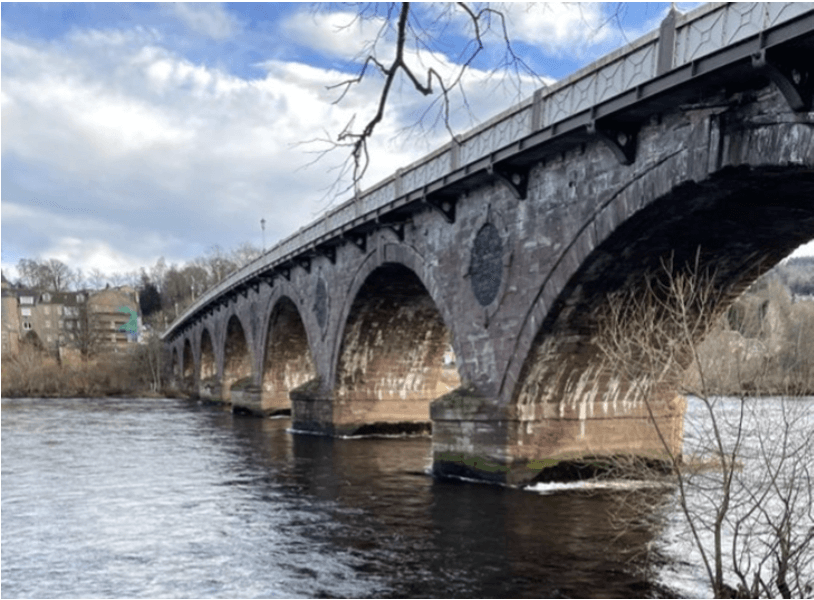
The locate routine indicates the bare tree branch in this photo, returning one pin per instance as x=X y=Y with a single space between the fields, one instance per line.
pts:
x=413 y=38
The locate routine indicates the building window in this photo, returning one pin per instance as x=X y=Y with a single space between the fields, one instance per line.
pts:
x=26 y=299
x=69 y=324
x=26 y=325
x=46 y=297
x=26 y=312
x=61 y=323
x=80 y=297
x=48 y=324
x=50 y=338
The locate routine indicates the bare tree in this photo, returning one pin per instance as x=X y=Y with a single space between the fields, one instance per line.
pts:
x=158 y=272
x=412 y=36
x=50 y=274
x=744 y=482
x=30 y=272
x=244 y=254
x=58 y=275
x=198 y=279
x=218 y=264
x=96 y=279
x=153 y=360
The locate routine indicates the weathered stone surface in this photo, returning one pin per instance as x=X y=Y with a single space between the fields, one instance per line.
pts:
x=210 y=389
x=732 y=174
x=288 y=363
x=246 y=397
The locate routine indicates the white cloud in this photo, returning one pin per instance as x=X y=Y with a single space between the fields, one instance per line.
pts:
x=344 y=35
x=556 y=27
x=207 y=18
x=93 y=254
x=119 y=140
x=121 y=150
x=341 y=34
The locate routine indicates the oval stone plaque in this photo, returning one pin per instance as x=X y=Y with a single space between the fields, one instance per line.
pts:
x=486 y=269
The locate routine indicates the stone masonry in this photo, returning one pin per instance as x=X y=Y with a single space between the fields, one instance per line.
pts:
x=511 y=266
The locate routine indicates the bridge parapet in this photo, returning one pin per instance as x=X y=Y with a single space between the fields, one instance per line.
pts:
x=594 y=93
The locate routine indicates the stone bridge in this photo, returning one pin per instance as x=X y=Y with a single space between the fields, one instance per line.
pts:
x=464 y=292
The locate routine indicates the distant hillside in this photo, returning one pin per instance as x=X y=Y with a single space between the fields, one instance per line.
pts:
x=764 y=343
x=796 y=274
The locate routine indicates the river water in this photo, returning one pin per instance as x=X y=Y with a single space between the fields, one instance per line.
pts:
x=168 y=498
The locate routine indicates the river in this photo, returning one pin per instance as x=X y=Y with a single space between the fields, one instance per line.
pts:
x=169 y=498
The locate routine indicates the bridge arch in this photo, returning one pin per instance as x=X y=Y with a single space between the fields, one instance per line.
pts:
x=393 y=354
x=391 y=254
x=237 y=357
x=208 y=366
x=188 y=363
x=737 y=223
x=287 y=356
x=175 y=363
x=688 y=178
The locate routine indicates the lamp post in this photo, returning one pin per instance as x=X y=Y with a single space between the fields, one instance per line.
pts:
x=263 y=227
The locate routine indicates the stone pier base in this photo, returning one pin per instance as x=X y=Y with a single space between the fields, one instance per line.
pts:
x=247 y=399
x=474 y=437
x=210 y=389
x=311 y=410
x=469 y=437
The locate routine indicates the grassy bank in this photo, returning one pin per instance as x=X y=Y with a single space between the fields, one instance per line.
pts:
x=32 y=374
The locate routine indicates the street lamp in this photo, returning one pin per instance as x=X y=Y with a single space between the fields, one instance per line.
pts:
x=263 y=227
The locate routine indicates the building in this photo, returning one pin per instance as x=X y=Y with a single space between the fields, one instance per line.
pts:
x=10 y=320
x=84 y=320
x=116 y=314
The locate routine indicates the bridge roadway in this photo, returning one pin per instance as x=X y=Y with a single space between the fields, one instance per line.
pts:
x=466 y=290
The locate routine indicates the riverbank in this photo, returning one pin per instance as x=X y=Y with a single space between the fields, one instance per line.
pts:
x=114 y=375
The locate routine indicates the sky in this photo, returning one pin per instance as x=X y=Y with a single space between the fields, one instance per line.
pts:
x=137 y=131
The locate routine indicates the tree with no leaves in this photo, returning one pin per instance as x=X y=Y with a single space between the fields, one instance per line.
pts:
x=49 y=274
x=745 y=485
x=407 y=48
x=441 y=52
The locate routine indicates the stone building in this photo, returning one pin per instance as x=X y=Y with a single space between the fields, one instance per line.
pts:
x=64 y=320
x=10 y=321
x=116 y=314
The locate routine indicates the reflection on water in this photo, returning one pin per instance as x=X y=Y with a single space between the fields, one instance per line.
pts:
x=162 y=498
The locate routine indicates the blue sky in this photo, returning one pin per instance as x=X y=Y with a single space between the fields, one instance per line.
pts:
x=135 y=131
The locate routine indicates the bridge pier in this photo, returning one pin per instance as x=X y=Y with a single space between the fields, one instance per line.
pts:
x=311 y=409
x=476 y=438
x=247 y=397
x=470 y=438
x=210 y=389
